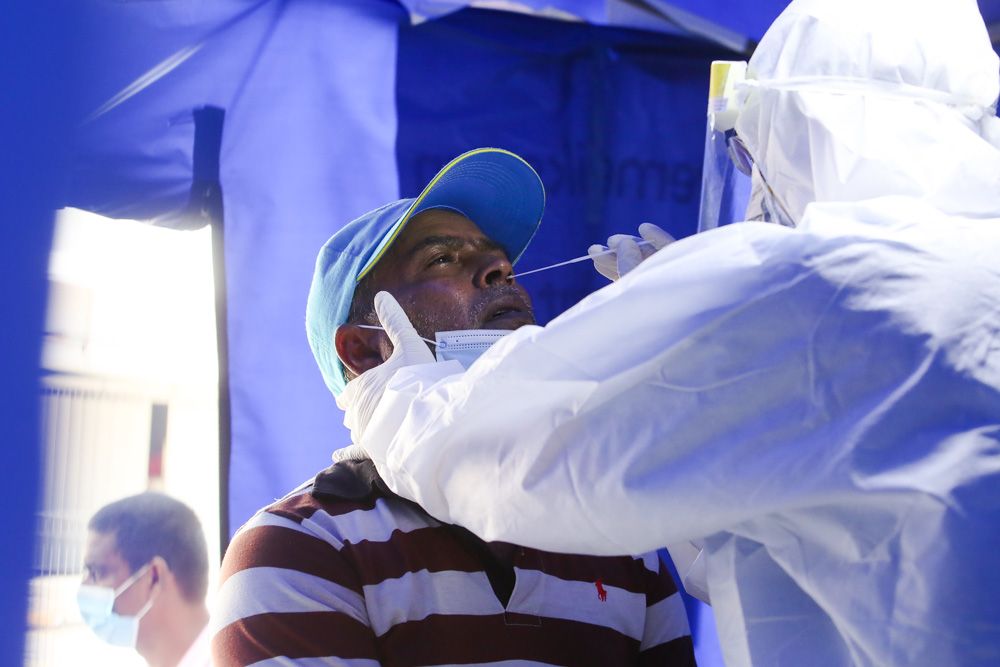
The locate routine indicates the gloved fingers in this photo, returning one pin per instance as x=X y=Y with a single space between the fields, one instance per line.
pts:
x=349 y=453
x=403 y=336
x=597 y=251
x=627 y=251
x=615 y=239
x=604 y=262
x=644 y=248
x=656 y=236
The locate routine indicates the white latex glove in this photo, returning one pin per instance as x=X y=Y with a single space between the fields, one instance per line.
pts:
x=628 y=252
x=362 y=394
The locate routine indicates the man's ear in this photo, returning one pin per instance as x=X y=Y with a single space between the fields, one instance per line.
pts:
x=159 y=570
x=359 y=349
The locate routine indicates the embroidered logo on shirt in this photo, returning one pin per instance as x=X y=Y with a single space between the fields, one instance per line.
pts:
x=602 y=594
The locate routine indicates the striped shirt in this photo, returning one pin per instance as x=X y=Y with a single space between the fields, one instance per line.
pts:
x=343 y=572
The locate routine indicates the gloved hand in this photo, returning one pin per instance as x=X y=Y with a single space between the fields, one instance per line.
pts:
x=362 y=394
x=627 y=251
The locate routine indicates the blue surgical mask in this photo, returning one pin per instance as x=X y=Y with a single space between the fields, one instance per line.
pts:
x=97 y=609
x=466 y=345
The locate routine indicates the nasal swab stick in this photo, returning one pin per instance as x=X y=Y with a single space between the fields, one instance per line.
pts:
x=525 y=273
x=573 y=261
x=552 y=266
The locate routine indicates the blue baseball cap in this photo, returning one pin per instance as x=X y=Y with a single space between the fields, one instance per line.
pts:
x=494 y=188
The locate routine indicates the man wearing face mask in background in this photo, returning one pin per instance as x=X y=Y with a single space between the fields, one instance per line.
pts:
x=817 y=401
x=145 y=580
x=342 y=571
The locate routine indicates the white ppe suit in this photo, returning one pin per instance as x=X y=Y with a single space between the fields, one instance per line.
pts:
x=819 y=405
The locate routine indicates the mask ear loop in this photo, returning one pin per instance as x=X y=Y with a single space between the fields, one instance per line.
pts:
x=785 y=220
x=378 y=328
x=743 y=160
x=152 y=598
x=124 y=586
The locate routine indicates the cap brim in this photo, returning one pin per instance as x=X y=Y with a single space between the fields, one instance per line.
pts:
x=494 y=188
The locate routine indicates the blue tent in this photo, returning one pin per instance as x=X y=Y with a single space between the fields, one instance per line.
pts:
x=36 y=47
x=281 y=121
x=277 y=121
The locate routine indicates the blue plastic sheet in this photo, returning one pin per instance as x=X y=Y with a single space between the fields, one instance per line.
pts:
x=39 y=90
x=613 y=121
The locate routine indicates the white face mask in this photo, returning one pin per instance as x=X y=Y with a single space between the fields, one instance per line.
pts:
x=97 y=603
x=466 y=345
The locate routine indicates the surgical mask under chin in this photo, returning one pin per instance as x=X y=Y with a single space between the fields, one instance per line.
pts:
x=96 y=605
x=466 y=345
x=764 y=204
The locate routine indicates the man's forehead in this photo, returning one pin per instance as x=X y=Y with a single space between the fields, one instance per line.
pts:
x=439 y=221
x=440 y=227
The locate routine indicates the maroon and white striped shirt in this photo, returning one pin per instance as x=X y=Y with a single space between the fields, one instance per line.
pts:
x=343 y=572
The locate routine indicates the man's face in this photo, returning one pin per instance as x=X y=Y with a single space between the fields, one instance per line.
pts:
x=103 y=565
x=447 y=275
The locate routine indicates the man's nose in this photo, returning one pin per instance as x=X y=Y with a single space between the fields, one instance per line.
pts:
x=494 y=270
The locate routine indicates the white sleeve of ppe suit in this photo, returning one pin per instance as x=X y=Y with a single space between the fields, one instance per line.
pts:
x=730 y=376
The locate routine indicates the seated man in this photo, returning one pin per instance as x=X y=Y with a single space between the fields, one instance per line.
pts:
x=145 y=579
x=343 y=571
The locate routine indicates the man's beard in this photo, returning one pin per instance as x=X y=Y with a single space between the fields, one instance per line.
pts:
x=428 y=324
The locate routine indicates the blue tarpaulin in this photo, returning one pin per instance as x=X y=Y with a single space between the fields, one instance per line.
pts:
x=36 y=76
x=330 y=109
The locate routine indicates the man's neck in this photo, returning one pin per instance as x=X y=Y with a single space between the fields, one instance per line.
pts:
x=175 y=635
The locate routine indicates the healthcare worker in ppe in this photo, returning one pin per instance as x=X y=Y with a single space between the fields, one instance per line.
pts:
x=816 y=402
